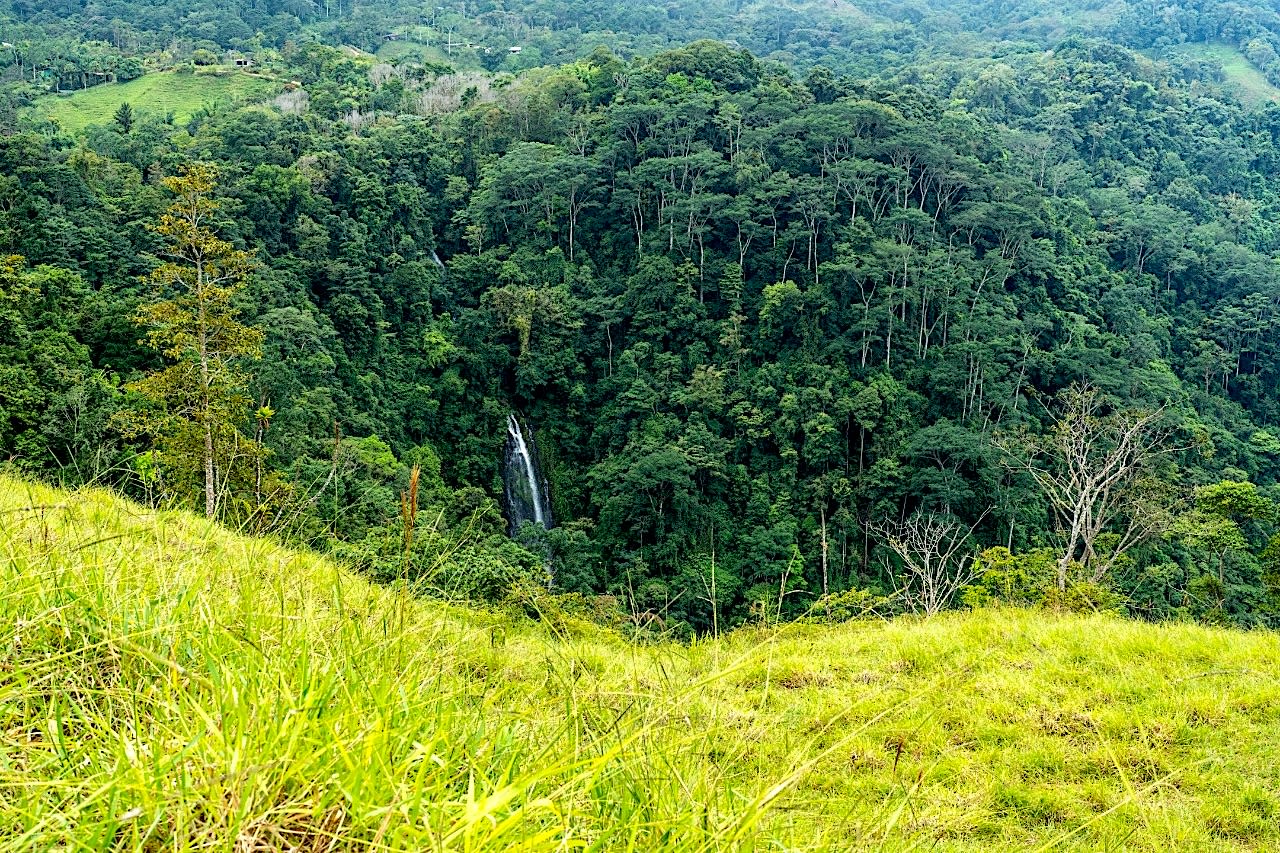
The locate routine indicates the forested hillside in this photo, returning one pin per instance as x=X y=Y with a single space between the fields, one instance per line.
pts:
x=788 y=325
x=73 y=44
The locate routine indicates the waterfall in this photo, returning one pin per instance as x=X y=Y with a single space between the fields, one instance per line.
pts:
x=525 y=489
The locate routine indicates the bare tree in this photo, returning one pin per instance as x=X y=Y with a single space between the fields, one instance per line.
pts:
x=936 y=558
x=1095 y=466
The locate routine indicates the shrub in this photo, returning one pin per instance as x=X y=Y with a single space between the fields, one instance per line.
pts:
x=1007 y=578
x=568 y=612
x=850 y=605
x=452 y=566
x=1084 y=597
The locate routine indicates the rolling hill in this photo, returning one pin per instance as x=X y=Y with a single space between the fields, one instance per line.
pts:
x=1239 y=75
x=160 y=93
x=167 y=684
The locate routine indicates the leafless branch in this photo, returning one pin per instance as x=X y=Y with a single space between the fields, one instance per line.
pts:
x=937 y=560
x=1094 y=467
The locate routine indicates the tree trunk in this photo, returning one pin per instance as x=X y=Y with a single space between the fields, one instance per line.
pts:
x=715 y=605
x=210 y=483
x=826 y=587
x=210 y=492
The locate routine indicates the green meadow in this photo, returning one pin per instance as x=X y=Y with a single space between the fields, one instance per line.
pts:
x=1241 y=75
x=393 y=50
x=168 y=685
x=161 y=93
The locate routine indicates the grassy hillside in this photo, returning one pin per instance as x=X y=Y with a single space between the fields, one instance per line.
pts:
x=159 y=94
x=167 y=685
x=1241 y=75
x=393 y=50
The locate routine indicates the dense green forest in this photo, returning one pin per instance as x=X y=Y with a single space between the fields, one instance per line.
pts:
x=802 y=314
x=67 y=45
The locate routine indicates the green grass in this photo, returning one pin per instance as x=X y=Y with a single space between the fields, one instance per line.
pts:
x=166 y=685
x=1242 y=76
x=462 y=60
x=392 y=50
x=157 y=94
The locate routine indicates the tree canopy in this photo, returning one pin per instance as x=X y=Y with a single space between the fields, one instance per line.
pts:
x=756 y=308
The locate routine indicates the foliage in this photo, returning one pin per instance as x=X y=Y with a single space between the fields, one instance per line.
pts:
x=1083 y=596
x=1031 y=580
x=1019 y=580
x=1229 y=523
x=753 y=303
x=54 y=404
x=852 y=604
x=123 y=117
x=199 y=398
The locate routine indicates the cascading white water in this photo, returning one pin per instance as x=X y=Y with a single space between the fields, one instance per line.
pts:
x=525 y=490
x=528 y=470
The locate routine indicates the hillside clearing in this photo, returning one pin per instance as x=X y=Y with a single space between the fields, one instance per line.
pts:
x=166 y=684
x=161 y=93
x=394 y=50
x=1241 y=76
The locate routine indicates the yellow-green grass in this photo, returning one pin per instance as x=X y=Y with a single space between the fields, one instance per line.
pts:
x=160 y=93
x=1242 y=76
x=167 y=685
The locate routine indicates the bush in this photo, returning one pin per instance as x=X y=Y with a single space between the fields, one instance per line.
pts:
x=1084 y=597
x=850 y=605
x=1007 y=578
x=1030 y=580
x=448 y=566
x=568 y=612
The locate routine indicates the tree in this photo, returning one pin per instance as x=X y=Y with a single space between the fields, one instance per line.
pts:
x=1217 y=523
x=1095 y=466
x=935 y=560
x=193 y=323
x=124 y=117
x=53 y=404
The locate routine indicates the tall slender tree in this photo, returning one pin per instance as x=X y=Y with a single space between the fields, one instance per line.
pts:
x=195 y=325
